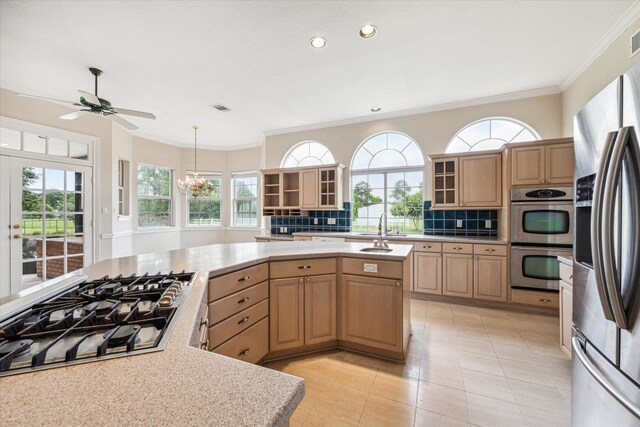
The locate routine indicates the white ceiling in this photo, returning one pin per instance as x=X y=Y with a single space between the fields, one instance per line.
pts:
x=176 y=58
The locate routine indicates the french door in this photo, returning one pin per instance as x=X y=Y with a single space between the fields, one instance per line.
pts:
x=47 y=221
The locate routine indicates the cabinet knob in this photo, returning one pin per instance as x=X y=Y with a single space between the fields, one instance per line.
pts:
x=244 y=279
x=244 y=352
x=301 y=280
x=308 y=279
x=544 y=300
x=304 y=267
x=243 y=320
x=542 y=181
x=398 y=284
x=243 y=300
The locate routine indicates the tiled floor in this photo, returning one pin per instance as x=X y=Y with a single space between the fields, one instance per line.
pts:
x=466 y=366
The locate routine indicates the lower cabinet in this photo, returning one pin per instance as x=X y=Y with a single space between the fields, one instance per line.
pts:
x=490 y=278
x=457 y=275
x=427 y=276
x=251 y=345
x=372 y=312
x=302 y=311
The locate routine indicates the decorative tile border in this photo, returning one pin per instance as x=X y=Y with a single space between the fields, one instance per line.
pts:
x=315 y=221
x=473 y=222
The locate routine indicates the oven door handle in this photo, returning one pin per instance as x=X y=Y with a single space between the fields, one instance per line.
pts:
x=596 y=223
x=544 y=202
x=545 y=249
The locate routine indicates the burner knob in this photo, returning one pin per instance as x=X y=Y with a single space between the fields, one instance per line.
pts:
x=165 y=301
x=175 y=287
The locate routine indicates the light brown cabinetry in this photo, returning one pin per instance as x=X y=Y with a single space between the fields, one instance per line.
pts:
x=457 y=275
x=490 y=278
x=535 y=298
x=566 y=307
x=303 y=303
x=467 y=181
x=238 y=314
x=428 y=272
x=309 y=178
x=542 y=163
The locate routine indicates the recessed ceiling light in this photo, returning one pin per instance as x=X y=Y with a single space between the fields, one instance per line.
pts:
x=368 y=31
x=318 y=42
x=375 y=109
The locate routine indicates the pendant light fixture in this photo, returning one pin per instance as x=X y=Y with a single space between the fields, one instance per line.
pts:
x=192 y=185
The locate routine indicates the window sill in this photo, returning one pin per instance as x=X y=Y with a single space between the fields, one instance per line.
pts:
x=124 y=218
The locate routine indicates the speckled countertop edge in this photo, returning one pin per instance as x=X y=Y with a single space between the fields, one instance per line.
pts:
x=187 y=386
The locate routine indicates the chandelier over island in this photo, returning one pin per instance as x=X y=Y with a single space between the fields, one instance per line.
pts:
x=192 y=185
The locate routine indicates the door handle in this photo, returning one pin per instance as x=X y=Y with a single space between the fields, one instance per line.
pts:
x=596 y=224
x=612 y=279
x=595 y=373
x=16 y=226
x=16 y=236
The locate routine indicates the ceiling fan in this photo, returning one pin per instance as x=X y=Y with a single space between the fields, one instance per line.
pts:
x=91 y=103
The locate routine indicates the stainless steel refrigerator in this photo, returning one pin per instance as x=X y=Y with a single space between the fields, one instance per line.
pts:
x=606 y=275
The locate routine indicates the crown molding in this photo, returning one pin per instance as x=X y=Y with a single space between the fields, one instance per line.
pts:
x=190 y=145
x=552 y=90
x=621 y=25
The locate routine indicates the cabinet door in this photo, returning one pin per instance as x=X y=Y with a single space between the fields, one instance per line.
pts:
x=480 y=181
x=445 y=182
x=566 y=315
x=527 y=165
x=457 y=275
x=328 y=188
x=427 y=276
x=490 y=281
x=310 y=188
x=372 y=312
x=559 y=164
x=286 y=308
x=320 y=309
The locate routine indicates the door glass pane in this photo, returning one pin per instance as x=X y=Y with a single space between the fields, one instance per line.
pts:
x=32 y=178
x=32 y=224
x=31 y=201
x=54 y=179
x=34 y=143
x=54 y=224
x=75 y=224
x=74 y=263
x=10 y=138
x=545 y=222
x=54 y=246
x=541 y=267
x=75 y=202
x=30 y=248
x=75 y=245
x=55 y=267
x=32 y=272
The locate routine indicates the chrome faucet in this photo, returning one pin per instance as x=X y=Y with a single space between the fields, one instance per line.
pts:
x=379 y=242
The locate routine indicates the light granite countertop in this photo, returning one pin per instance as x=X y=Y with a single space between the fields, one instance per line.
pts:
x=408 y=238
x=180 y=385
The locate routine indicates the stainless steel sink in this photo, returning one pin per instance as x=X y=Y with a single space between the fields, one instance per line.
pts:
x=376 y=250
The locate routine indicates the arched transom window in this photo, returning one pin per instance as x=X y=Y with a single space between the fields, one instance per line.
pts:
x=491 y=134
x=307 y=153
x=387 y=175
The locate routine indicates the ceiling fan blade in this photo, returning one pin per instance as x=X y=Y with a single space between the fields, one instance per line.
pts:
x=74 y=115
x=90 y=98
x=133 y=113
x=122 y=121
x=57 y=101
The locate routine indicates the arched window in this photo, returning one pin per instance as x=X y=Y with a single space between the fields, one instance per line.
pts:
x=307 y=153
x=491 y=134
x=387 y=175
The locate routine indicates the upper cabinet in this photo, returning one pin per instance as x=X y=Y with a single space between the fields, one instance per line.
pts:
x=288 y=191
x=545 y=162
x=467 y=181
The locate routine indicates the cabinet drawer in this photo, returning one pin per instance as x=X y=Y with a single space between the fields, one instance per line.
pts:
x=234 y=303
x=237 y=323
x=566 y=274
x=457 y=248
x=498 y=250
x=251 y=345
x=428 y=247
x=303 y=267
x=373 y=268
x=540 y=299
x=238 y=280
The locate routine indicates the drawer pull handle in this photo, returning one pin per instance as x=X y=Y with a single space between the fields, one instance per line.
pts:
x=427 y=247
x=244 y=279
x=304 y=267
x=243 y=320
x=203 y=322
x=243 y=300
x=457 y=248
x=204 y=345
x=544 y=300
x=244 y=352
x=490 y=250
x=571 y=277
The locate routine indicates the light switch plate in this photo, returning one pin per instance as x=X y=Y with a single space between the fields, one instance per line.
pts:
x=331 y=221
x=487 y=223
x=459 y=223
x=315 y=221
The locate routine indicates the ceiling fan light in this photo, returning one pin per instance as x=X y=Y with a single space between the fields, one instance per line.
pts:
x=375 y=109
x=318 y=42
x=368 y=31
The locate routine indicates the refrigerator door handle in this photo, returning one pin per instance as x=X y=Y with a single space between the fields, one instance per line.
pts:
x=596 y=224
x=595 y=373
x=611 y=273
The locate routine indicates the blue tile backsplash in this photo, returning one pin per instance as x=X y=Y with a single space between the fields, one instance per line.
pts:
x=295 y=224
x=444 y=222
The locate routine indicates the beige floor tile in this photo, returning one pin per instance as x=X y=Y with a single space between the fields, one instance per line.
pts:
x=321 y=419
x=487 y=385
x=513 y=352
x=528 y=372
x=352 y=375
x=441 y=374
x=540 y=396
x=395 y=387
x=541 y=418
x=442 y=354
x=480 y=362
x=431 y=419
x=475 y=333
x=489 y=412
x=472 y=345
x=340 y=402
x=383 y=412
x=360 y=359
x=506 y=337
x=411 y=367
x=447 y=401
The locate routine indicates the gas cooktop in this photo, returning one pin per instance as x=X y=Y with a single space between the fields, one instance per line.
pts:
x=95 y=320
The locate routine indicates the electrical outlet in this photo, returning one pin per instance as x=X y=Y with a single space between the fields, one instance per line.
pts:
x=282 y=229
x=331 y=221
x=459 y=223
x=487 y=223
x=315 y=221
x=285 y=230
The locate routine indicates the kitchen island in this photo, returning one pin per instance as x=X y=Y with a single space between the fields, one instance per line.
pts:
x=181 y=384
